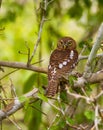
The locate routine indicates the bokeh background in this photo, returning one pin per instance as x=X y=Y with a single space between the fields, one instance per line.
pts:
x=19 y=23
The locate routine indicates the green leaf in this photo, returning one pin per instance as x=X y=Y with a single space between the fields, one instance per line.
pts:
x=75 y=11
x=70 y=120
x=29 y=83
x=26 y=105
x=88 y=87
x=81 y=44
x=100 y=2
x=87 y=43
x=41 y=90
x=87 y=3
x=28 y=114
x=34 y=80
x=63 y=96
x=89 y=115
x=42 y=97
x=54 y=127
x=62 y=124
x=33 y=116
x=71 y=80
x=22 y=98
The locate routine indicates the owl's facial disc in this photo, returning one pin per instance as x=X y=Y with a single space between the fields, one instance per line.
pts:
x=66 y=43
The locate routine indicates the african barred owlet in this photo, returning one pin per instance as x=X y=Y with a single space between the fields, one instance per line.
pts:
x=62 y=61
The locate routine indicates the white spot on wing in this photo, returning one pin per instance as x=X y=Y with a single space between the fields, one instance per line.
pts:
x=60 y=65
x=54 y=70
x=49 y=67
x=74 y=65
x=68 y=60
x=71 y=54
x=65 y=63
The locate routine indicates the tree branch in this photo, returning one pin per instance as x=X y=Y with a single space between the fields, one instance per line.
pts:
x=93 y=52
x=95 y=78
x=43 y=19
x=86 y=56
x=18 y=103
x=20 y=65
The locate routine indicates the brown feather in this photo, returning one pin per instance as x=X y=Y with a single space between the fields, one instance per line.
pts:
x=67 y=60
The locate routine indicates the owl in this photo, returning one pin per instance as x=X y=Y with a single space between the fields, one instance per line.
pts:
x=62 y=61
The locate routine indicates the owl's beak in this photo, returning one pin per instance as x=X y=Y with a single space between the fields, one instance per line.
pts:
x=64 y=46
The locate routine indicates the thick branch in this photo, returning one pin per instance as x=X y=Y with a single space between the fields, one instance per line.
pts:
x=20 y=65
x=96 y=45
x=18 y=103
x=95 y=78
x=93 y=52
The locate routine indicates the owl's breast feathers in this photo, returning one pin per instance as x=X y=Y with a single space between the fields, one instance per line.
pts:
x=61 y=63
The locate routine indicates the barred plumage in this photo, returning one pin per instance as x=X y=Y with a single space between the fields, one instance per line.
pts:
x=62 y=61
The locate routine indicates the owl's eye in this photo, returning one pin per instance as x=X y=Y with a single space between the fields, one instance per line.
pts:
x=69 y=42
x=61 y=42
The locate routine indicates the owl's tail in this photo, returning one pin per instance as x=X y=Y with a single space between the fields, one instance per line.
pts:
x=52 y=88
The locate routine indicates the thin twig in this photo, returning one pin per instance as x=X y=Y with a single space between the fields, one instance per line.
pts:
x=13 y=122
x=84 y=48
x=51 y=104
x=77 y=96
x=8 y=74
x=13 y=90
x=49 y=2
x=39 y=33
x=28 y=48
x=38 y=110
x=96 y=121
x=59 y=103
x=6 y=98
x=53 y=121
x=99 y=95
x=81 y=57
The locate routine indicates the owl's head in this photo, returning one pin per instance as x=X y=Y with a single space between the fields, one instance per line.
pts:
x=66 y=43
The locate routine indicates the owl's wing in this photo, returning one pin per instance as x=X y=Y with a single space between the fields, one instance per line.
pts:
x=63 y=61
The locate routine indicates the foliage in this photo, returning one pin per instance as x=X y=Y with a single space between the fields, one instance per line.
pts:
x=33 y=115
x=19 y=27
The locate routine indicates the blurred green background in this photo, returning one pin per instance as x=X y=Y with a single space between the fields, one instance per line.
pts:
x=19 y=24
